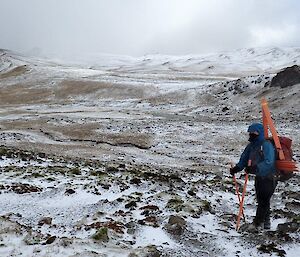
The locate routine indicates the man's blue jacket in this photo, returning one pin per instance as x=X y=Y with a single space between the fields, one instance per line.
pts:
x=261 y=152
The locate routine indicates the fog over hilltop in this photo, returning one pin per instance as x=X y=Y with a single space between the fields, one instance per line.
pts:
x=132 y=27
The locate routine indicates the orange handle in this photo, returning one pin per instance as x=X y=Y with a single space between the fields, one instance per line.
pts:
x=241 y=204
x=238 y=194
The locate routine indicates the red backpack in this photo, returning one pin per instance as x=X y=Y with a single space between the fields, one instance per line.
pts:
x=282 y=174
x=285 y=165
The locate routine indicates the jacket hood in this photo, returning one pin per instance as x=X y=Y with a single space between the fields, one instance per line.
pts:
x=257 y=127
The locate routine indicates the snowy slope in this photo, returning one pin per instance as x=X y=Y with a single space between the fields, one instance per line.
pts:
x=126 y=143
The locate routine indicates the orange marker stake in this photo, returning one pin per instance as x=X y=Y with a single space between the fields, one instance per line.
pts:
x=238 y=194
x=242 y=203
x=242 y=200
x=237 y=191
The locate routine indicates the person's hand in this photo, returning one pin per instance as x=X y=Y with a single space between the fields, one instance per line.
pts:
x=251 y=169
x=234 y=170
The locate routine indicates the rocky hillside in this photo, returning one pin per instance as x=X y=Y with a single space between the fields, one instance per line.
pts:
x=120 y=156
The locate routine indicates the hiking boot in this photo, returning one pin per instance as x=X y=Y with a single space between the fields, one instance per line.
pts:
x=252 y=228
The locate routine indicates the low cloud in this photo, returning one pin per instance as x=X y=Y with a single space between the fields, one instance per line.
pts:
x=135 y=27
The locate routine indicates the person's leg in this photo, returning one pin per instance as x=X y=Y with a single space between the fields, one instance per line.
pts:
x=264 y=189
x=267 y=222
x=259 y=217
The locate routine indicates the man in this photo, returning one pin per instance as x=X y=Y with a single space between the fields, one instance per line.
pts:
x=259 y=158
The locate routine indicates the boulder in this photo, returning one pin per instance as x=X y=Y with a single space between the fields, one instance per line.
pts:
x=288 y=227
x=148 y=251
x=45 y=220
x=176 y=225
x=49 y=240
x=286 y=78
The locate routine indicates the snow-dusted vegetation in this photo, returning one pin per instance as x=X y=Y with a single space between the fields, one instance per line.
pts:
x=123 y=156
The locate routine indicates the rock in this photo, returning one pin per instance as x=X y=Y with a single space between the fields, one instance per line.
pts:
x=175 y=203
x=70 y=191
x=293 y=205
x=148 y=251
x=75 y=171
x=290 y=194
x=50 y=240
x=33 y=238
x=101 y=235
x=42 y=155
x=258 y=81
x=267 y=84
x=206 y=205
x=131 y=227
x=270 y=248
x=136 y=181
x=9 y=226
x=106 y=186
x=149 y=210
x=225 y=109
x=286 y=78
x=150 y=207
x=191 y=192
x=45 y=220
x=87 y=253
x=131 y=204
x=22 y=188
x=122 y=166
x=149 y=221
x=112 y=168
x=176 y=225
x=116 y=226
x=288 y=227
x=65 y=242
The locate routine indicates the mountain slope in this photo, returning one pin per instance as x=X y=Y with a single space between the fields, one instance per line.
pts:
x=117 y=154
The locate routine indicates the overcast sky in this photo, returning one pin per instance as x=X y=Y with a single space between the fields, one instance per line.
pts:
x=138 y=27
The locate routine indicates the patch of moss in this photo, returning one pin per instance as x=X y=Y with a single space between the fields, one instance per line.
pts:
x=206 y=205
x=75 y=171
x=175 y=203
x=3 y=151
x=101 y=235
x=37 y=175
x=97 y=173
x=56 y=169
x=296 y=219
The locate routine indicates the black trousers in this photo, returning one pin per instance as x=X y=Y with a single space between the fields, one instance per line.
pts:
x=264 y=188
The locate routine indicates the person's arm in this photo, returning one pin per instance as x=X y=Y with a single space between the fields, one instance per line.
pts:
x=243 y=162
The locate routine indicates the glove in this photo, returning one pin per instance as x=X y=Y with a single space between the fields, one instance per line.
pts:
x=251 y=169
x=234 y=170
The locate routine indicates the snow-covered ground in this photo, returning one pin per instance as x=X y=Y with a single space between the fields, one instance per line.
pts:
x=134 y=144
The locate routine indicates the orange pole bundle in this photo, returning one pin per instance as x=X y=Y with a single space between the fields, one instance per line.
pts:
x=268 y=122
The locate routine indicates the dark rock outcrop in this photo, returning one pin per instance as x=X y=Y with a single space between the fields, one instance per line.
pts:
x=286 y=78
